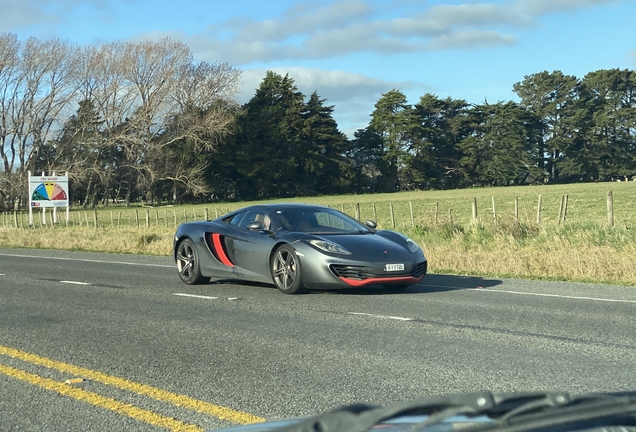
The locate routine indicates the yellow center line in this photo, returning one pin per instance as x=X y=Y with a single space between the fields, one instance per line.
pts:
x=141 y=389
x=101 y=401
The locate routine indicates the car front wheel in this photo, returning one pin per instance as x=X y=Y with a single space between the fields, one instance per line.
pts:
x=286 y=270
x=188 y=264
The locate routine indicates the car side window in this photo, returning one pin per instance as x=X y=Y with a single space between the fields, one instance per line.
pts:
x=255 y=215
x=235 y=219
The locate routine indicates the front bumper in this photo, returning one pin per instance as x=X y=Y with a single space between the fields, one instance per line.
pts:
x=320 y=270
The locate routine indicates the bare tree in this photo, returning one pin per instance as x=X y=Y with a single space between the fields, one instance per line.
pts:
x=38 y=84
x=139 y=104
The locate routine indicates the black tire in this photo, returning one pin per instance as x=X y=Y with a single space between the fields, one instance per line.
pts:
x=396 y=287
x=286 y=271
x=188 y=264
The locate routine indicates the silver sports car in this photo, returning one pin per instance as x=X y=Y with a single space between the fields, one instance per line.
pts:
x=296 y=247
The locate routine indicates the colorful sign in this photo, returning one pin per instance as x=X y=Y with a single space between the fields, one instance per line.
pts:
x=48 y=191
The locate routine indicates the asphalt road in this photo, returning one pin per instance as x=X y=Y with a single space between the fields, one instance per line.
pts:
x=153 y=353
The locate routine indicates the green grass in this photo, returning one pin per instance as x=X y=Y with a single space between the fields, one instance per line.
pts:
x=582 y=248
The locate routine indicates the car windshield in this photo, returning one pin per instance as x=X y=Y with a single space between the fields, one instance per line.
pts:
x=319 y=221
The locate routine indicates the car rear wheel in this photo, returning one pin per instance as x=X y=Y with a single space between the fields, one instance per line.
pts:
x=286 y=271
x=188 y=264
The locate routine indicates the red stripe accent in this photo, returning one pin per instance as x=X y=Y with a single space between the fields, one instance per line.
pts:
x=370 y=281
x=218 y=248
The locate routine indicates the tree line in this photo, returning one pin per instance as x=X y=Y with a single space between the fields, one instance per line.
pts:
x=125 y=119
x=144 y=121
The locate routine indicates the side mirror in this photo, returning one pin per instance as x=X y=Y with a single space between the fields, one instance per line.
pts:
x=371 y=224
x=255 y=226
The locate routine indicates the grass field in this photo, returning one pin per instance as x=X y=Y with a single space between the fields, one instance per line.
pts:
x=583 y=247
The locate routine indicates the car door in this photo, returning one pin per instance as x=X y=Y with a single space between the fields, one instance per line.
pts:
x=250 y=249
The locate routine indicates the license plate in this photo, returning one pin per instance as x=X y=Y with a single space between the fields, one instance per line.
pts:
x=393 y=267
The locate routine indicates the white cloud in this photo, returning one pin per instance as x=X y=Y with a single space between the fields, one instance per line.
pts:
x=24 y=13
x=541 y=7
x=473 y=39
x=304 y=18
x=319 y=30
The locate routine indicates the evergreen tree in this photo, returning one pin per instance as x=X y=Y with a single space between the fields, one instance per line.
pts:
x=267 y=146
x=442 y=124
x=609 y=147
x=324 y=169
x=393 y=121
x=553 y=98
x=499 y=151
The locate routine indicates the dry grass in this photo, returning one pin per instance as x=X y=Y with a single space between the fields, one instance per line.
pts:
x=583 y=248
x=151 y=241
x=548 y=255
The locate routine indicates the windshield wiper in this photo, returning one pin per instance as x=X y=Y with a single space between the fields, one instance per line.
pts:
x=508 y=411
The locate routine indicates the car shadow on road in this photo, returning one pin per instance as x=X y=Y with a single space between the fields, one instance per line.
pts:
x=430 y=284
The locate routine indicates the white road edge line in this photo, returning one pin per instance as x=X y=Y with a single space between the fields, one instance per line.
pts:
x=75 y=282
x=554 y=295
x=381 y=316
x=88 y=260
x=195 y=296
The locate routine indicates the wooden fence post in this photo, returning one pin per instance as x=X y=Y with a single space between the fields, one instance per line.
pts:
x=216 y=213
x=147 y=218
x=392 y=215
x=137 y=217
x=111 y=219
x=539 y=210
x=358 y=211
x=118 y=219
x=516 y=209
x=375 y=215
x=436 y=218
x=565 y=207
x=561 y=209
x=475 y=214
x=412 y=218
x=165 y=217
x=207 y=215
x=194 y=214
x=610 y=209
x=494 y=211
x=95 y=218
x=86 y=218
x=450 y=215
x=157 y=217
x=174 y=213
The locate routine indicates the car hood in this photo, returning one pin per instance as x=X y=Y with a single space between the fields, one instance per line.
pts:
x=369 y=245
x=399 y=424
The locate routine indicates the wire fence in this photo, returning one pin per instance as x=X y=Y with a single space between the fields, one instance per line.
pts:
x=388 y=214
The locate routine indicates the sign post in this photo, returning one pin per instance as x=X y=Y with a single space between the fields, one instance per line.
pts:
x=47 y=191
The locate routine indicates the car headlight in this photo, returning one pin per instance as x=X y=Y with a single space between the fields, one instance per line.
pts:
x=413 y=247
x=330 y=247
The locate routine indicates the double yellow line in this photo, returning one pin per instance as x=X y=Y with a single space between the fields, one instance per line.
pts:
x=114 y=405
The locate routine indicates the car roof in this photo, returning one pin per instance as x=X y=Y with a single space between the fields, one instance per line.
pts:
x=285 y=206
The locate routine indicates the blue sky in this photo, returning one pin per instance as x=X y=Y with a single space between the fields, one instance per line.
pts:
x=353 y=51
